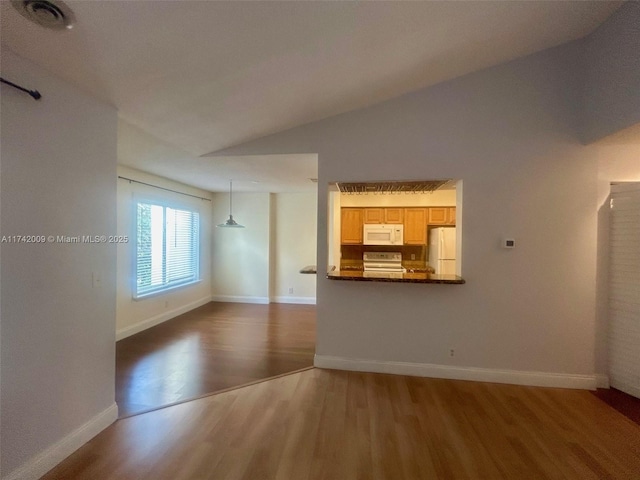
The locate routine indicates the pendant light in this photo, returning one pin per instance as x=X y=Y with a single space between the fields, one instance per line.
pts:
x=230 y=223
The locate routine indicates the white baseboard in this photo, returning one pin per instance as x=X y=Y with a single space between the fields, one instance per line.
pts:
x=515 y=377
x=158 y=319
x=40 y=464
x=239 y=299
x=296 y=300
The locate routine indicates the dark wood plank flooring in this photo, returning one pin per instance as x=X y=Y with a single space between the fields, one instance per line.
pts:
x=209 y=349
x=621 y=401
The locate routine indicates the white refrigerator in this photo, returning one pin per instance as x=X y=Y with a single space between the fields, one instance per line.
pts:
x=442 y=250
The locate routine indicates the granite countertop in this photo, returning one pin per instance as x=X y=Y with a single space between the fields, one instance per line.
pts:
x=313 y=270
x=409 y=277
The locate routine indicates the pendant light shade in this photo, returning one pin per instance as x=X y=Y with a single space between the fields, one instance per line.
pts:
x=230 y=223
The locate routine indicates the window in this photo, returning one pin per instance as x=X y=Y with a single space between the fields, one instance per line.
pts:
x=167 y=248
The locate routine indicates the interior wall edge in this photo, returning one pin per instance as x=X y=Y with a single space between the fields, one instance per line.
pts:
x=602 y=380
x=40 y=464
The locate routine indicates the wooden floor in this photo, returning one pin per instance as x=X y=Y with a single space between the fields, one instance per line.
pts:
x=324 y=424
x=212 y=348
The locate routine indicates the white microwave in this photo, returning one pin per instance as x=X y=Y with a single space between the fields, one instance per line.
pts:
x=383 y=234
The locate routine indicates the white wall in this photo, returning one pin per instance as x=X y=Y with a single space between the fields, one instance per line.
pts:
x=136 y=315
x=612 y=74
x=58 y=178
x=259 y=263
x=240 y=256
x=295 y=247
x=510 y=133
x=507 y=133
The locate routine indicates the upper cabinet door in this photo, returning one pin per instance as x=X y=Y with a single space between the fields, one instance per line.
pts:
x=442 y=216
x=451 y=216
x=381 y=215
x=393 y=215
x=438 y=215
x=415 y=226
x=351 y=221
x=373 y=215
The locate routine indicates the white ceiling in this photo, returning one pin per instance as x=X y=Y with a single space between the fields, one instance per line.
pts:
x=192 y=77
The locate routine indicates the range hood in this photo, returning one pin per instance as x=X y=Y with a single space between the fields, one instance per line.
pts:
x=422 y=186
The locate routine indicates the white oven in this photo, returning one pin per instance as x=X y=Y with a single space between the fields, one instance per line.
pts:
x=383 y=265
x=383 y=234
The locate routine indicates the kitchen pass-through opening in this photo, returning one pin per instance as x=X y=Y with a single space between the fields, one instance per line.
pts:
x=386 y=228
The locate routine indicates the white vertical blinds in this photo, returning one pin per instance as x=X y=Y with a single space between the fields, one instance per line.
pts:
x=167 y=248
x=624 y=291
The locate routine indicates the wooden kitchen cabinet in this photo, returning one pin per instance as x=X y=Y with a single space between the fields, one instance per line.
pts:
x=394 y=215
x=414 y=219
x=374 y=215
x=384 y=215
x=437 y=216
x=415 y=226
x=442 y=216
x=452 y=216
x=351 y=222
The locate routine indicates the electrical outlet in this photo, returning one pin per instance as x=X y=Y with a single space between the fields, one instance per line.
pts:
x=451 y=352
x=508 y=243
x=290 y=290
x=413 y=256
x=96 y=279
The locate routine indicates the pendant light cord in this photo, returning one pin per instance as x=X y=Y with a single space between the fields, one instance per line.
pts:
x=230 y=222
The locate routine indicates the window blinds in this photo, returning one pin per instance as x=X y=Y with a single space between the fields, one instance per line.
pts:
x=167 y=248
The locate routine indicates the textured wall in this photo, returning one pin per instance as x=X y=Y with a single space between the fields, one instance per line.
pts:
x=612 y=80
x=58 y=178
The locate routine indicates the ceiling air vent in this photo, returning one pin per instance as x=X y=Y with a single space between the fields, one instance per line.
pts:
x=48 y=14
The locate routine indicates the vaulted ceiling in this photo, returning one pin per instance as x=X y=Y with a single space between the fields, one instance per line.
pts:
x=192 y=77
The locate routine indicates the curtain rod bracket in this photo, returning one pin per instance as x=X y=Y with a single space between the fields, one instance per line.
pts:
x=34 y=93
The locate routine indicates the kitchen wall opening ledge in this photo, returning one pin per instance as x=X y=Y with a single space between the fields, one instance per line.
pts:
x=406 y=277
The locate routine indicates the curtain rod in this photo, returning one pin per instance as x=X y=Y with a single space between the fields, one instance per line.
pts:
x=162 y=188
x=34 y=93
